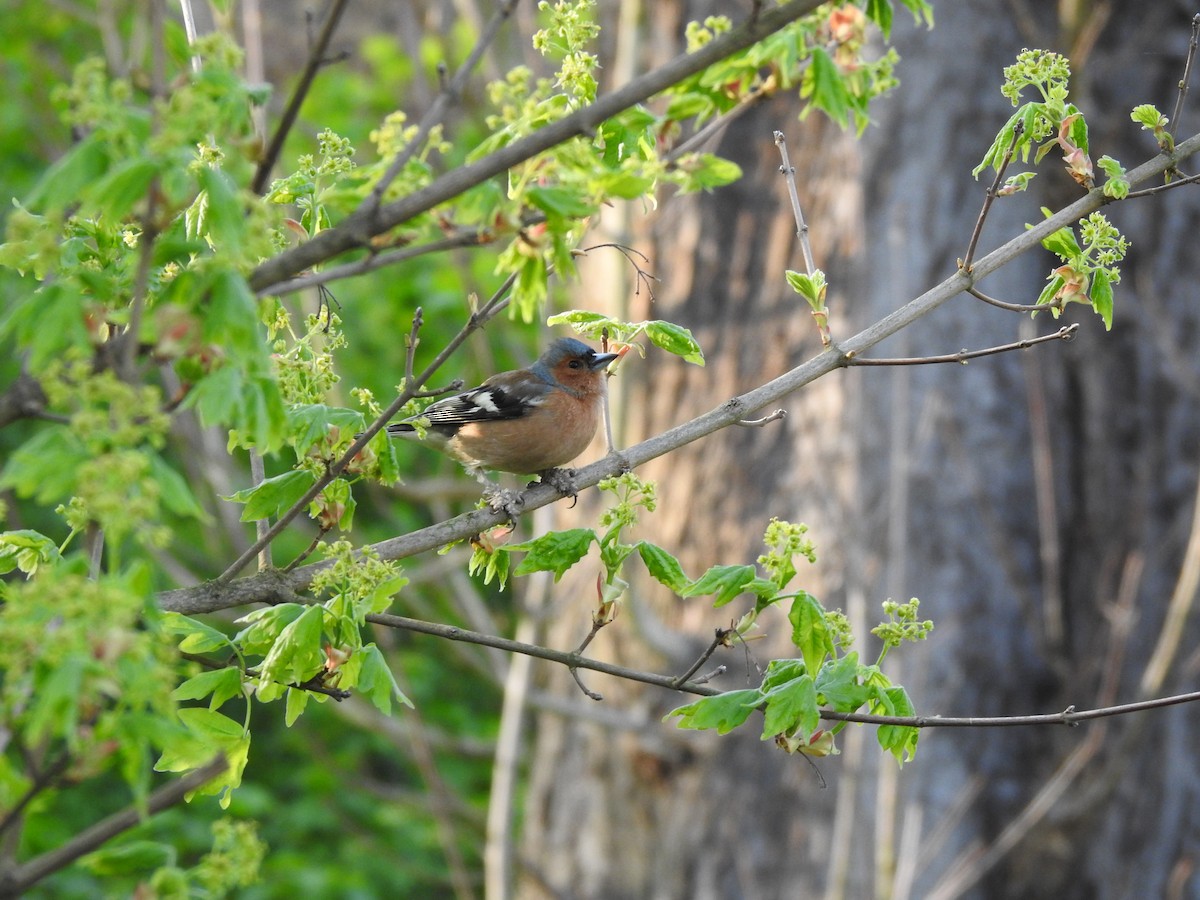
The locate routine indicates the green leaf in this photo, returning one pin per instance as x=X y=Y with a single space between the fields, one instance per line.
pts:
x=296 y=654
x=561 y=202
x=198 y=637
x=65 y=181
x=726 y=582
x=311 y=422
x=174 y=491
x=265 y=625
x=810 y=632
x=1101 y=294
x=707 y=171
x=880 y=12
x=223 y=684
x=839 y=684
x=663 y=566
x=675 y=339
x=297 y=700
x=724 y=712
x=224 y=220
x=791 y=707
x=274 y=495
x=124 y=186
x=26 y=550
x=376 y=680
x=899 y=740
x=825 y=89
x=46 y=466
x=554 y=552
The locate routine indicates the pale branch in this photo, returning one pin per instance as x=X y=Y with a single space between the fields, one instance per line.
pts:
x=788 y=171
x=989 y=198
x=450 y=93
x=764 y=420
x=316 y=59
x=365 y=223
x=262 y=587
x=494 y=305
x=1066 y=333
x=20 y=879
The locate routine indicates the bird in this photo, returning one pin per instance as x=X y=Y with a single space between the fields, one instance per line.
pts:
x=527 y=421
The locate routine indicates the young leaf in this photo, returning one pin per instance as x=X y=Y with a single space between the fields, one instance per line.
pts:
x=792 y=706
x=726 y=582
x=723 y=712
x=810 y=632
x=273 y=495
x=554 y=552
x=663 y=566
x=675 y=339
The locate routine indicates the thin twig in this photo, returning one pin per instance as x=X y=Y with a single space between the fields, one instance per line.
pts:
x=450 y=92
x=1160 y=188
x=721 y=122
x=989 y=198
x=42 y=780
x=358 y=228
x=720 y=639
x=316 y=59
x=1187 y=74
x=759 y=423
x=1013 y=307
x=789 y=173
x=225 y=594
x=498 y=301
x=30 y=873
x=1066 y=333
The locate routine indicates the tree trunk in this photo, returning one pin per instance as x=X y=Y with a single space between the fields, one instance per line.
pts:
x=1040 y=505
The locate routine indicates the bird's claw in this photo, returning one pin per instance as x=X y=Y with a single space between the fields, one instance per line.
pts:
x=562 y=480
x=506 y=501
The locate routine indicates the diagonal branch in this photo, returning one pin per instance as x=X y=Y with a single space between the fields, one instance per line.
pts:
x=261 y=588
x=365 y=223
x=30 y=873
x=316 y=59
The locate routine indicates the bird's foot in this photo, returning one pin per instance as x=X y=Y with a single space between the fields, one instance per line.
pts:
x=562 y=480
x=505 y=500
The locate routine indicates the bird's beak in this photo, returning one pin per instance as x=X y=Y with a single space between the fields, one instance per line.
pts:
x=600 y=360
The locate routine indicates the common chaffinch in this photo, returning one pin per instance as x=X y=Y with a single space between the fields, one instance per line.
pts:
x=528 y=421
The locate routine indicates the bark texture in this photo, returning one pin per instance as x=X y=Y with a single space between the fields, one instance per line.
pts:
x=1040 y=504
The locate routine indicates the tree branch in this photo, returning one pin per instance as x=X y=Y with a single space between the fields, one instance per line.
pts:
x=224 y=594
x=316 y=59
x=359 y=227
x=28 y=874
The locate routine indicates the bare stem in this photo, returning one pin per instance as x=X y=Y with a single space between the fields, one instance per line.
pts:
x=789 y=175
x=316 y=59
x=1187 y=74
x=1066 y=333
x=437 y=110
x=989 y=198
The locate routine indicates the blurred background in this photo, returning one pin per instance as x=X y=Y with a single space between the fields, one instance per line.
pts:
x=1042 y=504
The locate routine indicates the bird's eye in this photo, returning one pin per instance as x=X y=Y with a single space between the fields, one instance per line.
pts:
x=575 y=364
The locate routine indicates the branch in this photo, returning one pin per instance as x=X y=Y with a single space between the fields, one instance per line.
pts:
x=494 y=305
x=28 y=874
x=1187 y=73
x=316 y=59
x=1066 y=333
x=260 y=588
x=788 y=171
x=363 y=224
x=990 y=197
x=435 y=112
